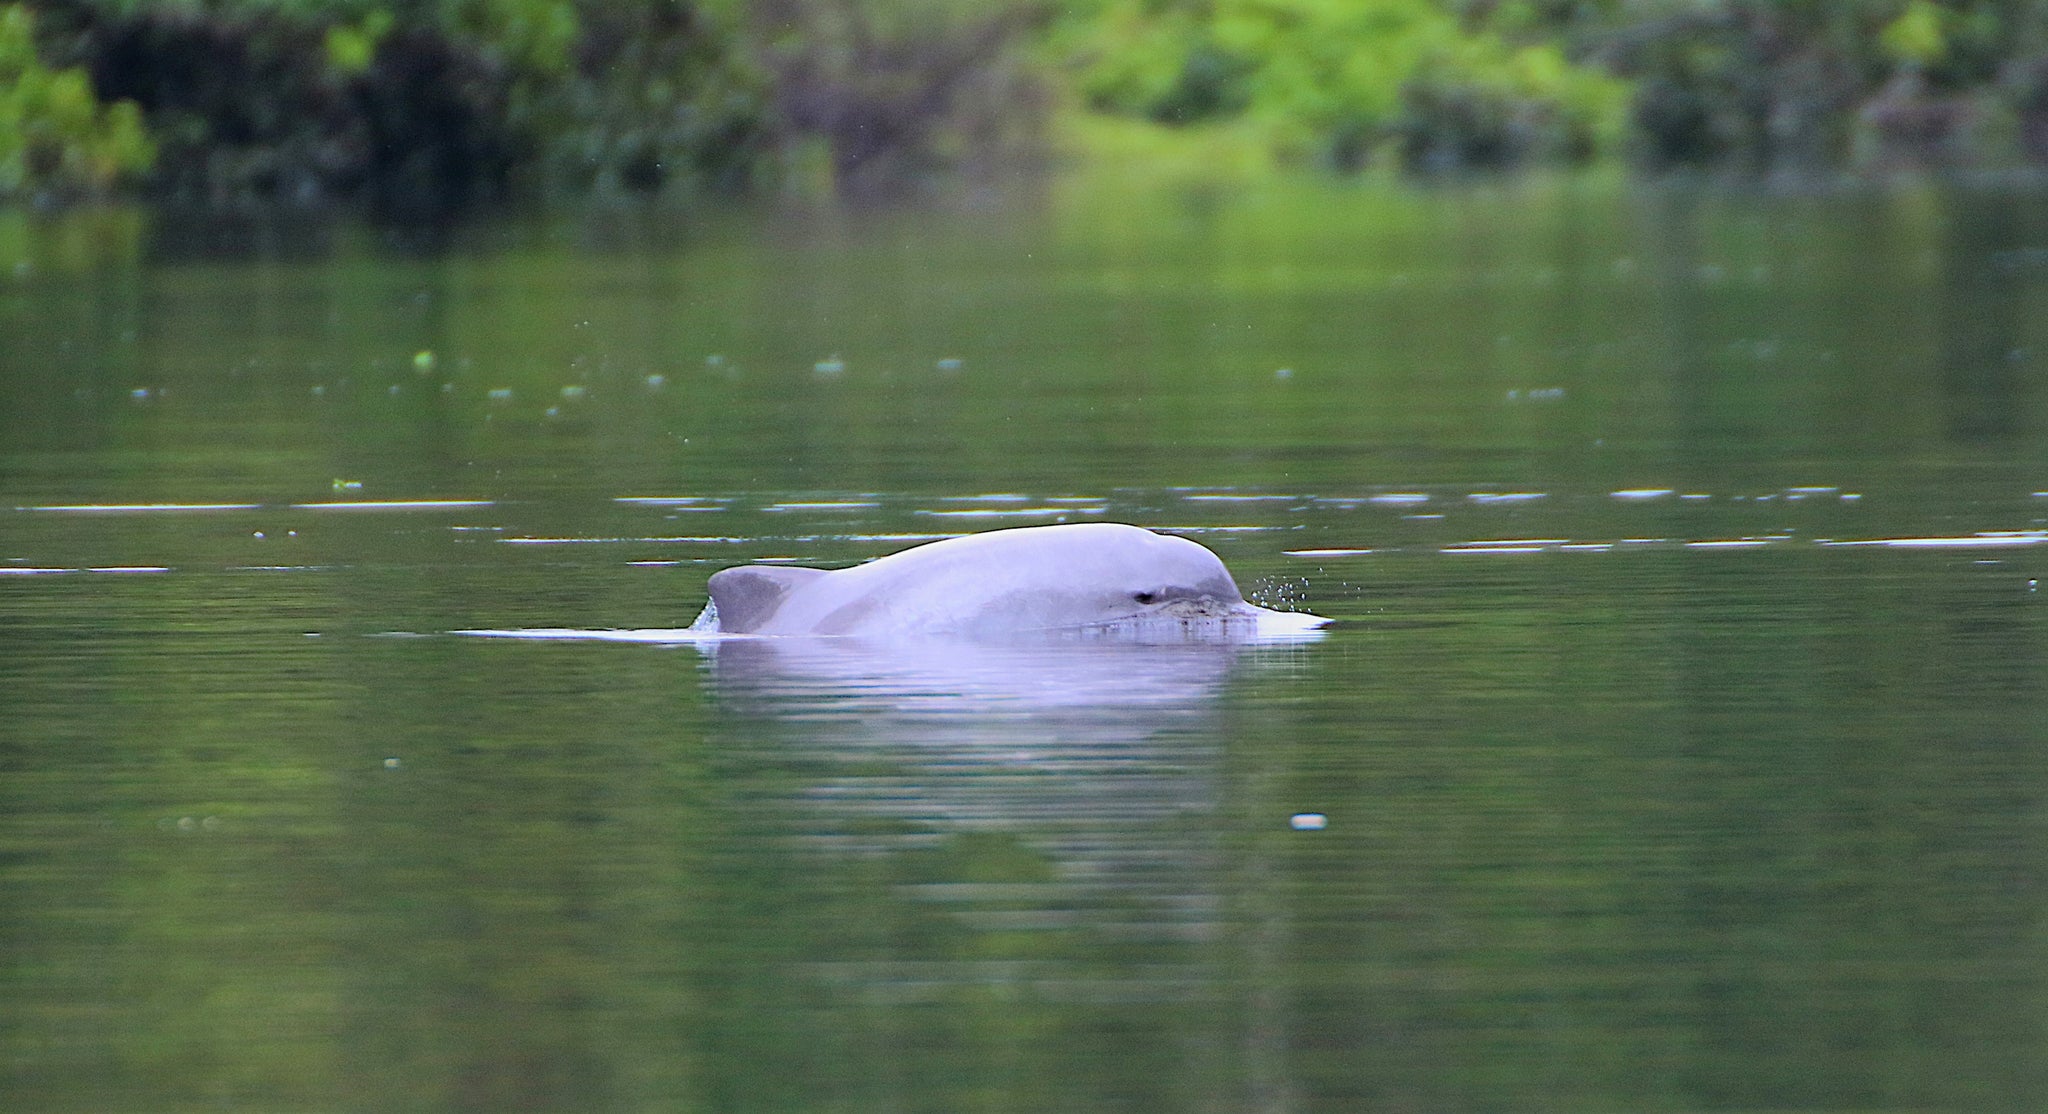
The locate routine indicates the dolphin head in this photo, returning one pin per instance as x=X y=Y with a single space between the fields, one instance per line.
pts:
x=1130 y=573
x=1103 y=578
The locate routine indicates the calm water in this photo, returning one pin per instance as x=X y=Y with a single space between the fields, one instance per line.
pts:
x=1680 y=745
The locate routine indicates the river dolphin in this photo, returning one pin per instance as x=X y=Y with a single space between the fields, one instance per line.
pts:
x=1093 y=578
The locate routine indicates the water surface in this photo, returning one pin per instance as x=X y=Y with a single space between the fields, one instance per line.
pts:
x=1678 y=745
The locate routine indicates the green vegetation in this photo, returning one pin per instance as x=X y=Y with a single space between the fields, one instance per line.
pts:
x=429 y=105
x=55 y=135
x=1348 y=82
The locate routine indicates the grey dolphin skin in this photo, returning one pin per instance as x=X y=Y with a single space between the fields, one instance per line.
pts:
x=1086 y=577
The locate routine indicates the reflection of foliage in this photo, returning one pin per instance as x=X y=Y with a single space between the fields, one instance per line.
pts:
x=55 y=134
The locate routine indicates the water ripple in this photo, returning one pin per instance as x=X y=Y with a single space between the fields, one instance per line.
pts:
x=397 y=505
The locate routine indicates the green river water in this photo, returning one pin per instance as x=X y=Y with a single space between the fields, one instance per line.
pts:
x=1680 y=744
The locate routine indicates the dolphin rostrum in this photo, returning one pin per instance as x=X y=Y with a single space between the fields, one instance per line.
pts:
x=1088 y=578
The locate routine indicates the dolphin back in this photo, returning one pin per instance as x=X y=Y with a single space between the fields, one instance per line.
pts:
x=748 y=597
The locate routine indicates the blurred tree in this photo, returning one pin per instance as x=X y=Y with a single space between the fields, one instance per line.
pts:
x=1342 y=81
x=896 y=89
x=56 y=136
x=424 y=106
x=1805 y=84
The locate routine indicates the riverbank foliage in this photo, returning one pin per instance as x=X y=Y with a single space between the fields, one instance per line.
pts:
x=423 y=106
x=55 y=135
